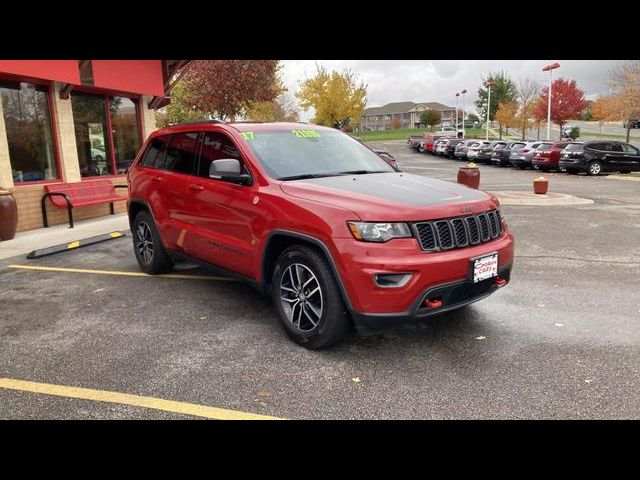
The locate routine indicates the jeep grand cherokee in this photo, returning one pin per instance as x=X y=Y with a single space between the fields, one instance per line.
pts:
x=317 y=221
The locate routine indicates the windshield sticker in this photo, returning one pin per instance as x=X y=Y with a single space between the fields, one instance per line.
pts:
x=247 y=135
x=306 y=133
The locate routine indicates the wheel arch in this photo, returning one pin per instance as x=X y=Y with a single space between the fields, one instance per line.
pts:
x=279 y=240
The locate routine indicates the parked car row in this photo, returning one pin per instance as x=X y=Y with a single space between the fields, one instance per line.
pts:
x=593 y=157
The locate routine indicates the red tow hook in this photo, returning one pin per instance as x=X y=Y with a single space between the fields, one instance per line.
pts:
x=500 y=282
x=435 y=303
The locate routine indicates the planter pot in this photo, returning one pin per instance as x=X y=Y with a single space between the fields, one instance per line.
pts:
x=540 y=186
x=469 y=175
x=8 y=215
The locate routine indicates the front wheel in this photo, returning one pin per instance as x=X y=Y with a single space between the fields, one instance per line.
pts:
x=594 y=168
x=307 y=298
x=420 y=149
x=150 y=253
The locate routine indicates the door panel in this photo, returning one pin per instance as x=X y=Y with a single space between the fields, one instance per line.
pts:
x=221 y=214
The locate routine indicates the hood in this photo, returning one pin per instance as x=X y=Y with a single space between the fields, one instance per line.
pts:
x=392 y=196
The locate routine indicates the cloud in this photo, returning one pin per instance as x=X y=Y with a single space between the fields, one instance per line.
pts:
x=439 y=80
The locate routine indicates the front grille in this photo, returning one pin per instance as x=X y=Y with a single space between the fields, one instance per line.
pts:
x=458 y=232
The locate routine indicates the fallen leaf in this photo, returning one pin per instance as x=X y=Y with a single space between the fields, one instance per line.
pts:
x=559 y=324
x=356 y=379
x=480 y=337
x=262 y=393
x=588 y=381
x=203 y=318
x=541 y=304
x=98 y=290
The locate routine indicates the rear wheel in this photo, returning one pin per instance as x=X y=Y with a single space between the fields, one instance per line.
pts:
x=420 y=148
x=307 y=298
x=594 y=168
x=148 y=248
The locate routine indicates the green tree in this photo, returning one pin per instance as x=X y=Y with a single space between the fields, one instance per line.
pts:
x=430 y=118
x=503 y=91
x=338 y=98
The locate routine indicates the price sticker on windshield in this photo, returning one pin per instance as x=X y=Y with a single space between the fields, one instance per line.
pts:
x=306 y=133
x=247 y=135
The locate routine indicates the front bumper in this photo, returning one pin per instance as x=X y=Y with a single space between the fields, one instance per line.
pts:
x=362 y=261
x=454 y=295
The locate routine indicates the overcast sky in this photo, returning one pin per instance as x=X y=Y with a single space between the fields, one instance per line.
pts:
x=439 y=80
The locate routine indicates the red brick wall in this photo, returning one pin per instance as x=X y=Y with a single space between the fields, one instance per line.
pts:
x=30 y=215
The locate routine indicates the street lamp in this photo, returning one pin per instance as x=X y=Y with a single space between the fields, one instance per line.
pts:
x=488 y=85
x=550 y=68
x=457 y=95
x=463 y=113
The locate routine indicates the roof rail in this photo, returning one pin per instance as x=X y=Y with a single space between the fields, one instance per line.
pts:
x=197 y=122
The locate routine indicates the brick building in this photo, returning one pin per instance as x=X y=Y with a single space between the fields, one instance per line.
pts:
x=406 y=113
x=72 y=120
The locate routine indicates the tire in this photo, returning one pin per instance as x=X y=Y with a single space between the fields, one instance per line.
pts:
x=321 y=319
x=420 y=149
x=152 y=258
x=594 y=168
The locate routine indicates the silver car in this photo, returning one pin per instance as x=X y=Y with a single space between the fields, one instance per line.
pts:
x=461 y=149
x=521 y=157
x=474 y=149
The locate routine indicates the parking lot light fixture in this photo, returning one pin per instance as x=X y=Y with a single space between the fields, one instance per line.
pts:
x=550 y=68
x=464 y=113
x=488 y=85
x=457 y=95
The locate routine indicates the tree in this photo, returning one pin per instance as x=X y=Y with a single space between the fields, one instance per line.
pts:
x=430 y=118
x=625 y=86
x=528 y=92
x=539 y=112
x=396 y=123
x=282 y=109
x=473 y=117
x=567 y=101
x=225 y=88
x=179 y=110
x=603 y=109
x=503 y=91
x=337 y=97
x=506 y=115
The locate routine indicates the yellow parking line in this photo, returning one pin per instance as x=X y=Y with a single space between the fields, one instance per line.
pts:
x=118 y=272
x=133 y=400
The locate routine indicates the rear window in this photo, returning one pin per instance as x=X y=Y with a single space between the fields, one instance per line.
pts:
x=544 y=146
x=154 y=155
x=574 y=147
x=519 y=145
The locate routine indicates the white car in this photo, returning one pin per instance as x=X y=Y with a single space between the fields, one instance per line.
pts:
x=440 y=147
x=448 y=130
x=474 y=148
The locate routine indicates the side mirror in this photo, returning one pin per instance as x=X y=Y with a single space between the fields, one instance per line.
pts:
x=229 y=170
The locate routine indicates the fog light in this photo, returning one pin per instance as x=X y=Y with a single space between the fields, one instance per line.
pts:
x=392 y=280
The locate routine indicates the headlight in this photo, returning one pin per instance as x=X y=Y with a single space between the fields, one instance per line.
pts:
x=379 y=232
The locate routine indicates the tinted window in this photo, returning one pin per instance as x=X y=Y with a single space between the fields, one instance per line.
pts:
x=126 y=134
x=154 y=156
x=616 y=147
x=544 y=146
x=630 y=149
x=599 y=146
x=561 y=145
x=215 y=146
x=574 y=147
x=181 y=154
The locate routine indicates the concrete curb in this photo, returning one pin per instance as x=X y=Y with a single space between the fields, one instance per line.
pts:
x=532 y=199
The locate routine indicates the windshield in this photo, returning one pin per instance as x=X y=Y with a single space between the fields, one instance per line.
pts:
x=289 y=154
x=573 y=147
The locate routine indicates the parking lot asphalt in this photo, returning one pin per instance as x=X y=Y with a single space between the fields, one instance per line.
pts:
x=561 y=341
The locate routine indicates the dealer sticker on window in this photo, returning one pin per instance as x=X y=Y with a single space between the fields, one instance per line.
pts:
x=485 y=267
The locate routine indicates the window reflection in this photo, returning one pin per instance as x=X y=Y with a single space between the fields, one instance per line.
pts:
x=89 y=118
x=28 y=124
x=126 y=135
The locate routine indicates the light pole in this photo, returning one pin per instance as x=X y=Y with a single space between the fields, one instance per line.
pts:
x=550 y=68
x=457 y=95
x=488 y=85
x=463 y=113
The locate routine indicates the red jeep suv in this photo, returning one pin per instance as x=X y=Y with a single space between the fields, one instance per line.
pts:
x=316 y=220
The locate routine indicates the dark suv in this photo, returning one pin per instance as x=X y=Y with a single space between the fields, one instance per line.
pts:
x=599 y=156
x=317 y=221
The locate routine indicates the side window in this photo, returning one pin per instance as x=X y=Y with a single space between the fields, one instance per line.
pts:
x=154 y=156
x=616 y=147
x=215 y=146
x=561 y=145
x=181 y=155
x=603 y=147
x=630 y=149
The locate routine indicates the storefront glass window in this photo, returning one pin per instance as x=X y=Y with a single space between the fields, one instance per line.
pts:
x=89 y=117
x=28 y=123
x=126 y=135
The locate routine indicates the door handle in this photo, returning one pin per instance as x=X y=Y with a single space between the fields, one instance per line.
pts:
x=196 y=187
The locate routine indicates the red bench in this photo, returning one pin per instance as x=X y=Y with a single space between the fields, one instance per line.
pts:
x=80 y=194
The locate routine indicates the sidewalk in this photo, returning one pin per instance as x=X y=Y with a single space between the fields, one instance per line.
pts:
x=25 y=242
